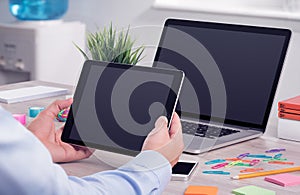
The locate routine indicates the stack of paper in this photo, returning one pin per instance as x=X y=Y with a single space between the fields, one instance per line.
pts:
x=30 y=93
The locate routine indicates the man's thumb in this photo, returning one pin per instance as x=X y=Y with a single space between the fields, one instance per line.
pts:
x=160 y=123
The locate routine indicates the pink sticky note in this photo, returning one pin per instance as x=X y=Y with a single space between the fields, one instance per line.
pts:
x=285 y=179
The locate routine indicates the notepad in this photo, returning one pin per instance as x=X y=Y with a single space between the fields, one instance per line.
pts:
x=201 y=190
x=252 y=190
x=285 y=179
x=30 y=93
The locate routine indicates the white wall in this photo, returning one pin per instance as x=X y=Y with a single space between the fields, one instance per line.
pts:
x=146 y=23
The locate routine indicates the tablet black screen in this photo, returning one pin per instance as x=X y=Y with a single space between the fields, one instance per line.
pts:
x=116 y=106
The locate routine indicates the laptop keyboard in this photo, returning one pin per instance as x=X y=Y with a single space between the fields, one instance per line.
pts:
x=203 y=130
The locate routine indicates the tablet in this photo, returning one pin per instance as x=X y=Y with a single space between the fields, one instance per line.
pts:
x=116 y=105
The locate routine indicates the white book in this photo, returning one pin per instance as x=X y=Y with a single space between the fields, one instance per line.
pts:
x=289 y=129
x=30 y=93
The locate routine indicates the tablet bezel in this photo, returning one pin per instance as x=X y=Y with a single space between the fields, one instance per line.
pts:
x=171 y=103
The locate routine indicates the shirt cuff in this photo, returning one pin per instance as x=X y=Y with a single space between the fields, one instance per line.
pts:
x=153 y=161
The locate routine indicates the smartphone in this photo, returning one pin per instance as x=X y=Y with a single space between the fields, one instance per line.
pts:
x=183 y=170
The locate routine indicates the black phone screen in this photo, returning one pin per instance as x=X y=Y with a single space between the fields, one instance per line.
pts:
x=183 y=168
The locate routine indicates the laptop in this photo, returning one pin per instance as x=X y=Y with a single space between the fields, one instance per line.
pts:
x=232 y=72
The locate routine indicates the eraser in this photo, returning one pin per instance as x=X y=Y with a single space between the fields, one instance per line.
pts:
x=285 y=179
x=201 y=190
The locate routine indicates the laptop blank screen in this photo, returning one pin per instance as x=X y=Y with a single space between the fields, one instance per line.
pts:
x=239 y=65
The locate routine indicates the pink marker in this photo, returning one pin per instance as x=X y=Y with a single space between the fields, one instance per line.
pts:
x=21 y=118
x=254 y=162
x=219 y=165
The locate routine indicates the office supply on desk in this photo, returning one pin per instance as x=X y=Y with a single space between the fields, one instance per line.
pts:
x=274 y=159
x=219 y=165
x=258 y=156
x=288 y=129
x=214 y=161
x=254 y=162
x=34 y=111
x=291 y=111
x=281 y=162
x=291 y=103
x=216 y=172
x=63 y=115
x=21 y=118
x=285 y=179
x=201 y=190
x=233 y=163
x=113 y=105
x=252 y=190
x=277 y=156
x=248 y=103
x=243 y=164
x=248 y=170
x=275 y=150
x=235 y=159
x=264 y=173
x=30 y=93
x=243 y=155
x=290 y=116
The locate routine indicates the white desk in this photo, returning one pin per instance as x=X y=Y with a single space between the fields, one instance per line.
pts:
x=102 y=160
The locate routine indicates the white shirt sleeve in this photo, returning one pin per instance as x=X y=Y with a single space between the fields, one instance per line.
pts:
x=26 y=167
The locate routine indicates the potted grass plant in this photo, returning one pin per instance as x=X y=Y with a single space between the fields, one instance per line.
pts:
x=112 y=46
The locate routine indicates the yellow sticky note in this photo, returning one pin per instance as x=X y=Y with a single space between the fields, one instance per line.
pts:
x=201 y=190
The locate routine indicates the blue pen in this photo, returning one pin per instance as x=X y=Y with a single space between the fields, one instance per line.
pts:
x=214 y=161
x=216 y=172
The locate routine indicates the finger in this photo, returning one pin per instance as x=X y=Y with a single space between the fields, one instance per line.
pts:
x=53 y=109
x=175 y=125
x=161 y=126
x=161 y=122
x=81 y=153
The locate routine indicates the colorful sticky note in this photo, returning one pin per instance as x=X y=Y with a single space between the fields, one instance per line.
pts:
x=252 y=190
x=285 y=179
x=201 y=190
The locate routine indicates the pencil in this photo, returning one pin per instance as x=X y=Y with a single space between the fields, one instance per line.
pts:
x=264 y=173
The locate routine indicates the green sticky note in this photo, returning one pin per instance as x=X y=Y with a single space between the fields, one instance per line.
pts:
x=252 y=190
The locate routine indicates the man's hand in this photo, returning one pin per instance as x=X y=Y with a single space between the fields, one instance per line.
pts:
x=43 y=128
x=168 y=143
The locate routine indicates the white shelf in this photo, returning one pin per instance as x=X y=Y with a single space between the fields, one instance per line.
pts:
x=267 y=8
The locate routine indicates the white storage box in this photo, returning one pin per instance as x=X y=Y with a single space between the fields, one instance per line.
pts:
x=289 y=129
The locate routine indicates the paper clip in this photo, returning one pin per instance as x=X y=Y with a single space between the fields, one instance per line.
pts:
x=259 y=156
x=243 y=155
x=275 y=150
x=215 y=161
x=251 y=170
x=275 y=159
x=242 y=164
x=254 y=162
x=216 y=172
x=233 y=163
x=235 y=159
x=281 y=162
x=219 y=165
x=277 y=156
